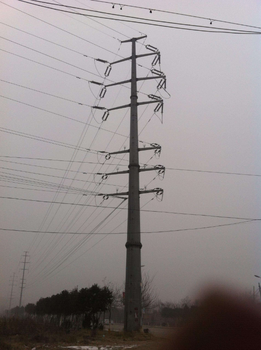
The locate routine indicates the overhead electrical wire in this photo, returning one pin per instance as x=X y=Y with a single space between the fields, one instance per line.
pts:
x=35 y=189
x=55 y=26
x=101 y=24
x=51 y=159
x=43 y=139
x=118 y=164
x=140 y=20
x=32 y=182
x=64 y=197
x=46 y=110
x=42 y=166
x=74 y=249
x=88 y=238
x=48 y=213
x=44 y=93
x=59 y=70
x=48 y=41
x=36 y=182
x=213 y=19
x=63 y=30
x=214 y=172
x=61 y=115
x=50 y=175
x=110 y=27
x=143 y=210
x=142 y=232
x=44 y=65
x=49 y=56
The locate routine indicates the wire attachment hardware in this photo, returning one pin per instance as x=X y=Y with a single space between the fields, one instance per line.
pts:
x=159 y=194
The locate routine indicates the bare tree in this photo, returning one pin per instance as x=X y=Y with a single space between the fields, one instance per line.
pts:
x=149 y=298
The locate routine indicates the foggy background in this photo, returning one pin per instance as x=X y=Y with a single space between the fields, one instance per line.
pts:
x=207 y=227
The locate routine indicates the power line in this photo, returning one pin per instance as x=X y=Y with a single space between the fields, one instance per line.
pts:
x=214 y=172
x=61 y=115
x=177 y=13
x=50 y=56
x=48 y=159
x=44 y=65
x=44 y=110
x=101 y=24
x=55 y=26
x=34 y=189
x=40 y=166
x=39 y=183
x=48 y=41
x=167 y=168
x=67 y=255
x=139 y=20
x=144 y=210
x=42 y=92
x=50 y=175
x=144 y=232
x=44 y=139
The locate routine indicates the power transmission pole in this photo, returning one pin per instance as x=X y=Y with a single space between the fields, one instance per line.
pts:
x=11 y=293
x=133 y=307
x=23 y=283
x=133 y=311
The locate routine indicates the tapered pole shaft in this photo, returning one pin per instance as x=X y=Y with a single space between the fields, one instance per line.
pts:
x=132 y=316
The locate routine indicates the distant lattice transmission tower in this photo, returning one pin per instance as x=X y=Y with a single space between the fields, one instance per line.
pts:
x=133 y=307
x=11 y=292
x=23 y=278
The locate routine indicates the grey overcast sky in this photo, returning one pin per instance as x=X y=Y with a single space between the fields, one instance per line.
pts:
x=203 y=230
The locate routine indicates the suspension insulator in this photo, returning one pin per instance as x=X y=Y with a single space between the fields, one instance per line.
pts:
x=105 y=115
x=162 y=84
x=154 y=97
x=103 y=92
x=159 y=107
x=157 y=72
x=152 y=48
x=156 y=60
x=107 y=71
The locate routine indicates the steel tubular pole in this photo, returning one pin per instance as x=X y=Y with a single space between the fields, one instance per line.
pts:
x=133 y=312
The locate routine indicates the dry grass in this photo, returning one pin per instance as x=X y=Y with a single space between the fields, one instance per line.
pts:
x=17 y=334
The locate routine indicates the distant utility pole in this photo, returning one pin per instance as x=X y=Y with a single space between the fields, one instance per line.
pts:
x=133 y=307
x=11 y=293
x=23 y=282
